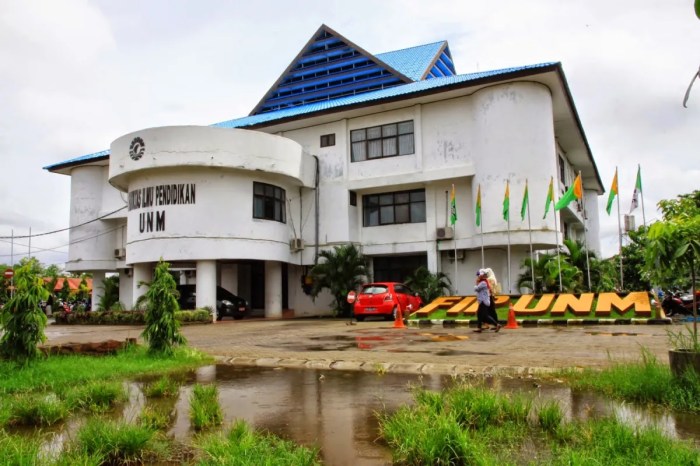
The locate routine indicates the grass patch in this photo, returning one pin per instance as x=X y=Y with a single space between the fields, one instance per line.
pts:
x=242 y=446
x=97 y=396
x=156 y=418
x=59 y=373
x=36 y=410
x=645 y=381
x=205 y=410
x=116 y=442
x=164 y=387
x=472 y=425
x=18 y=450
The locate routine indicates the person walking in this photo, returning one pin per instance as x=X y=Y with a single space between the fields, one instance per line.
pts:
x=494 y=288
x=483 y=297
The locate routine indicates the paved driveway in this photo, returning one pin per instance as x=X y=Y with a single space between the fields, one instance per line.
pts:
x=332 y=343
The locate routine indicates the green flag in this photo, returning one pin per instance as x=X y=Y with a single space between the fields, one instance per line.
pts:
x=453 y=208
x=478 y=206
x=575 y=192
x=613 y=193
x=523 y=207
x=550 y=197
x=506 y=202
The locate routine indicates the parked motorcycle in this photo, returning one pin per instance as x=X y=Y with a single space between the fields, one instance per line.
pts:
x=687 y=300
x=673 y=306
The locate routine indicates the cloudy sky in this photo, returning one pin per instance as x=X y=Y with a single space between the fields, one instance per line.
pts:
x=77 y=74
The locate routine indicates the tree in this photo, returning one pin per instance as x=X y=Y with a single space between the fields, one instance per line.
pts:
x=427 y=284
x=64 y=292
x=162 y=331
x=673 y=244
x=110 y=293
x=22 y=319
x=342 y=270
x=633 y=261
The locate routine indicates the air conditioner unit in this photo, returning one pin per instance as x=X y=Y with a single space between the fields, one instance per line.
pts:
x=451 y=255
x=119 y=253
x=629 y=223
x=444 y=233
x=296 y=244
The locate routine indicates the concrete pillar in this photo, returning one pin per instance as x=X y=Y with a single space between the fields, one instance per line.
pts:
x=206 y=286
x=97 y=289
x=126 y=287
x=273 y=290
x=143 y=272
x=229 y=277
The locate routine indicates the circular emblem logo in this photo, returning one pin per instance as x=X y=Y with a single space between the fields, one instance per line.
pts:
x=137 y=148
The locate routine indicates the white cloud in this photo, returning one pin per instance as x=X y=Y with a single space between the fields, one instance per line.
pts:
x=77 y=74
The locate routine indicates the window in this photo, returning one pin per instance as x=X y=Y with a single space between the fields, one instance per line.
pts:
x=328 y=140
x=269 y=202
x=353 y=198
x=393 y=208
x=562 y=170
x=382 y=141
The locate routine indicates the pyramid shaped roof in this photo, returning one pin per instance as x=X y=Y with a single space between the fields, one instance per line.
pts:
x=329 y=66
x=422 y=62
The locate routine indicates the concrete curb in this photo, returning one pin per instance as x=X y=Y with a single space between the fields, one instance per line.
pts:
x=451 y=323
x=455 y=370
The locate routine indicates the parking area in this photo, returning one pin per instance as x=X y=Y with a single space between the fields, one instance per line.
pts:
x=337 y=343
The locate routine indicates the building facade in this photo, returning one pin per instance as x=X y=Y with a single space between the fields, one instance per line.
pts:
x=346 y=147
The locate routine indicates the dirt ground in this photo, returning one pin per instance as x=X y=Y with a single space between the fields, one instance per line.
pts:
x=335 y=343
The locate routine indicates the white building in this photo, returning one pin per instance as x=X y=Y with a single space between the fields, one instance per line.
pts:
x=345 y=147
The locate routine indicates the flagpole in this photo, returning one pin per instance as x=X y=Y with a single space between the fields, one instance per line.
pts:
x=510 y=291
x=556 y=234
x=619 y=235
x=641 y=193
x=529 y=230
x=481 y=227
x=585 y=233
x=453 y=221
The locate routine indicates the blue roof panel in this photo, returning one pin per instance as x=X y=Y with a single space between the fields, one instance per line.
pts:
x=413 y=61
x=401 y=90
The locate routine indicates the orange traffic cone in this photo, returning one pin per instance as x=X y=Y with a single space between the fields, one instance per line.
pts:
x=398 y=322
x=512 y=323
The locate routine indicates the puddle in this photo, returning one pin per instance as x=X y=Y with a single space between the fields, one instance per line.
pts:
x=335 y=410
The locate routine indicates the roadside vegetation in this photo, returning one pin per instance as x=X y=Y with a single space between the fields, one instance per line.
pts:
x=468 y=424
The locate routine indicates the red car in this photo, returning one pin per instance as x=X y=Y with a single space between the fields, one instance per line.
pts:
x=384 y=299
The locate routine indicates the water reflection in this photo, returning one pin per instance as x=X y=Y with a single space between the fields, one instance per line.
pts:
x=335 y=410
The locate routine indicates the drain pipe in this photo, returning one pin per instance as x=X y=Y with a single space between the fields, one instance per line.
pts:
x=317 y=209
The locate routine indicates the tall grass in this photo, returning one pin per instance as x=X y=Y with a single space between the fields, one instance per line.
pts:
x=97 y=396
x=59 y=373
x=37 y=410
x=205 y=410
x=117 y=442
x=18 y=450
x=241 y=446
x=156 y=418
x=645 y=381
x=473 y=425
x=164 y=387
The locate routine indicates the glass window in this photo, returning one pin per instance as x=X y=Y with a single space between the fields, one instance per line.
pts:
x=393 y=208
x=382 y=141
x=328 y=140
x=269 y=202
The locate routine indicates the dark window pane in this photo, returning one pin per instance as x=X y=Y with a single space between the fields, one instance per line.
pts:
x=401 y=213
x=417 y=195
x=418 y=212
x=371 y=216
x=389 y=147
x=357 y=135
x=258 y=188
x=406 y=127
x=258 y=208
x=401 y=198
x=387 y=214
x=389 y=130
x=374 y=149
x=406 y=144
x=386 y=199
x=374 y=133
x=359 y=151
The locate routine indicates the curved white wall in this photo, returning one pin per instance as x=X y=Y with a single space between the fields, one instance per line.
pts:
x=92 y=245
x=191 y=193
x=513 y=139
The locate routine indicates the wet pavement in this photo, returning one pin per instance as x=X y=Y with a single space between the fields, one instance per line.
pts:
x=377 y=346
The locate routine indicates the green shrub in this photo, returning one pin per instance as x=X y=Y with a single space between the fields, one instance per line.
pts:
x=22 y=319
x=162 y=331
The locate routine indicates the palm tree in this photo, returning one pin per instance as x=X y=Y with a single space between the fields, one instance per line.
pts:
x=342 y=270
x=540 y=281
x=427 y=284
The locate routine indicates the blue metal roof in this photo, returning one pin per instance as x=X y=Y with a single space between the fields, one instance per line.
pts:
x=413 y=61
x=339 y=103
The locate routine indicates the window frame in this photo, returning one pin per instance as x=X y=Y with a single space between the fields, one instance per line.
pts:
x=382 y=141
x=276 y=201
x=391 y=205
x=327 y=140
